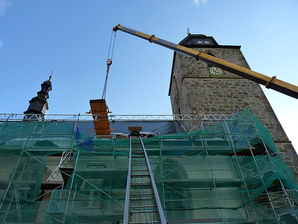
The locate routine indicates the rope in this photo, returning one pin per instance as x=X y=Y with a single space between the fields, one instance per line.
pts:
x=109 y=62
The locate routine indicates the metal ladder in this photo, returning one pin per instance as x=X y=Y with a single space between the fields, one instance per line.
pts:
x=142 y=203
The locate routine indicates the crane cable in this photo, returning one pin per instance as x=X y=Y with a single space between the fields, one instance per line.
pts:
x=109 y=62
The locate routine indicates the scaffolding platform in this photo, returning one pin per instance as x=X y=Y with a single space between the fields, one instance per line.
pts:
x=229 y=172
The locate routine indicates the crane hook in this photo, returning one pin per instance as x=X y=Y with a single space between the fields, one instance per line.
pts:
x=109 y=62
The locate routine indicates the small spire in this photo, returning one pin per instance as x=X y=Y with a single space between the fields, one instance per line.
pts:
x=38 y=105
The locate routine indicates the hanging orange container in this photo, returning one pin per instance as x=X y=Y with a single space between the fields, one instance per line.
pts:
x=101 y=122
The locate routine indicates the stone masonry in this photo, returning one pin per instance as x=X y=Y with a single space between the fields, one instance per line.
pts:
x=194 y=90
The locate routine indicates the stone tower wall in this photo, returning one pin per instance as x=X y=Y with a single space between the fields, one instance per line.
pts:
x=194 y=90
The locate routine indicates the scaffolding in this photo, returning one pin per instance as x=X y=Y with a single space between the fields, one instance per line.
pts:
x=230 y=172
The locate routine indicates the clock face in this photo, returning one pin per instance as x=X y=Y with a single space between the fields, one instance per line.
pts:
x=215 y=71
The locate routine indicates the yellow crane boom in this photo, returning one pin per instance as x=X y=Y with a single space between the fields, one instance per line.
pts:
x=269 y=82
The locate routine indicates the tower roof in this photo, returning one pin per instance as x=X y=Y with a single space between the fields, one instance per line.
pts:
x=198 y=40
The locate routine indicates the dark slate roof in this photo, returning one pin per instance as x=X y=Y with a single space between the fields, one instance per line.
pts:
x=188 y=41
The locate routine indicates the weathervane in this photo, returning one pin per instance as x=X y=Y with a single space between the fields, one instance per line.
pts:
x=52 y=72
x=188 y=33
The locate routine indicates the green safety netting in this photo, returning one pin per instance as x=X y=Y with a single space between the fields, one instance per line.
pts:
x=229 y=172
x=24 y=151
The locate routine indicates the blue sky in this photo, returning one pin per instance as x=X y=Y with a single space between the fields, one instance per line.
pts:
x=72 y=36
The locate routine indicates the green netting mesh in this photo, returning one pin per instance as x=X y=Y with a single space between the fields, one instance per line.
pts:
x=230 y=172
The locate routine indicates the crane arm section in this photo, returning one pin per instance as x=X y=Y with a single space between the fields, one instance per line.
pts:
x=269 y=82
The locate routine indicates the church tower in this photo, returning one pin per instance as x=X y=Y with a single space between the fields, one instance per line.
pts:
x=199 y=88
